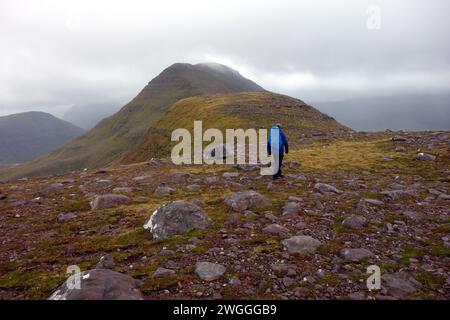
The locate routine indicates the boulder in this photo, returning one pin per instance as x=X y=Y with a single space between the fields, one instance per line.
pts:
x=211 y=180
x=209 y=271
x=106 y=262
x=163 y=272
x=355 y=255
x=109 y=200
x=292 y=208
x=425 y=156
x=326 y=188
x=399 y=284
x=276 y=230
x=177 y=217
x=99 y=284
x=301 y=244
x=63 y=217
x=395 y=194
x=163 y=191
x=354 y=222
x=243 y=200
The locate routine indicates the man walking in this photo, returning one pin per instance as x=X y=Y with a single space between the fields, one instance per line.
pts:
x=278 y=145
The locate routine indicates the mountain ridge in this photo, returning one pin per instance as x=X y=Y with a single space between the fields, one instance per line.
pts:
x=113 y=135
x=28 y=135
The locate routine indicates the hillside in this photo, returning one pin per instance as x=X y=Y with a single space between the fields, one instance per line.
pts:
x=239 y=110
x=115 y=134
x=26 y=136
x=364 y=199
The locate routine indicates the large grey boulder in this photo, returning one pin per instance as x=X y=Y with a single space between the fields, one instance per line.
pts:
x=301 y=244
x=209 y=271
x=99 y=284
x=109 y=200
x=177 y=217
x=243 y=200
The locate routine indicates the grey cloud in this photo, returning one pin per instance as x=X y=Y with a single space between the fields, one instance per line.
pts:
x=55 y=55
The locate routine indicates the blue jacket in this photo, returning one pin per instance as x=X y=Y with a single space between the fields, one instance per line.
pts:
x=283 y=145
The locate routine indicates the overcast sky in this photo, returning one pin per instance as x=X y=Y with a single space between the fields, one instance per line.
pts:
x=57 y=54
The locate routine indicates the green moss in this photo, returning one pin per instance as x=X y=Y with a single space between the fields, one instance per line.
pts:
x=75 y=205
x=430 y=281
x=156 y=284
x=440 y=251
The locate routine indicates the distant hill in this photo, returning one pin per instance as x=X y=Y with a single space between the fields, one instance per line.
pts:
x=234 y=110
x=87 y=116
x=409 y=112
x=26 y=136
x=116 y=134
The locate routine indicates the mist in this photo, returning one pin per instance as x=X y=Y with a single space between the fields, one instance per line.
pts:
x=76 y=57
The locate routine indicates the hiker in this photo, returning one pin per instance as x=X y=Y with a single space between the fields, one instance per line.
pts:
x=280 y=149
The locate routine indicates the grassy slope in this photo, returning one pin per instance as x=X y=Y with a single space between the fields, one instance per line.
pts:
x=241 y=110
x=115 y=134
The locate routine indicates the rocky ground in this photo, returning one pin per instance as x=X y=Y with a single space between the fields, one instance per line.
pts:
x=225 y=232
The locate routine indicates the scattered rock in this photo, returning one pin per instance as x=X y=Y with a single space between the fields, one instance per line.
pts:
x=123 y=190
x=373 y=201
x=163 y=191
x=399 y=138
x=177 y=217
x=142 y=178
x=294 y=198
x=106 y=262
x=395 y=194
x=162 y=272
x=243 y=200
x=359 y=295
x=193 y=188
x=209 y=271
x=63 y=217
x=211 y=180
x=325 y=188
x=425 y=156
x=277 y=230
x=355 y=255
x=354 y=222
x=228 y=175
x=99 y=284
x=109 y=200
x=301 y=244
x=399 y=284
x=292 y=208
x=413 y=215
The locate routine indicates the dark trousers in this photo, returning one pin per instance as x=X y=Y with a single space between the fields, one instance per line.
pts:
x=280 y=160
